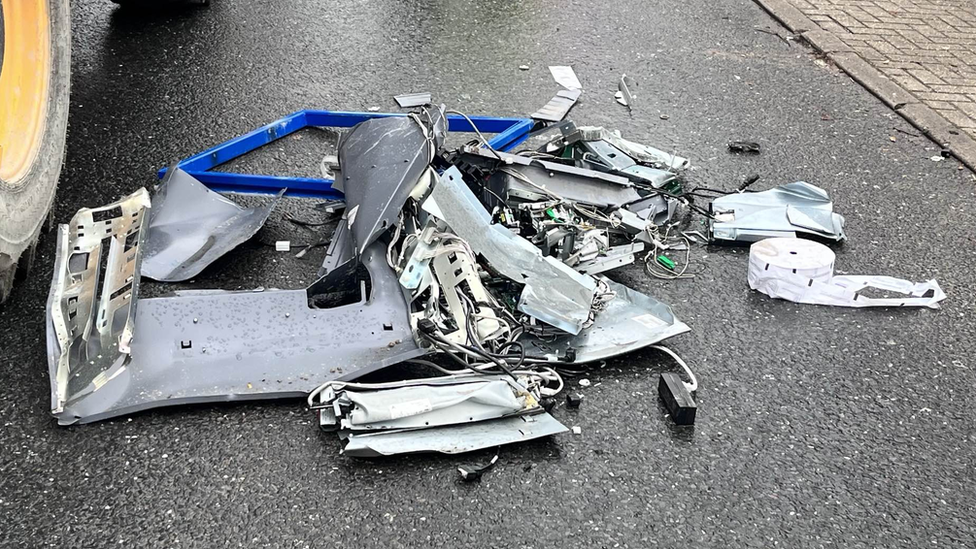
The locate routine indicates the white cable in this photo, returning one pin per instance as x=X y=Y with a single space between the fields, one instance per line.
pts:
x=693 y=386
x=477 y=131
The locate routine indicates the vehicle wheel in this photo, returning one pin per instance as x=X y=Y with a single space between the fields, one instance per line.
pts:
x=35 y=68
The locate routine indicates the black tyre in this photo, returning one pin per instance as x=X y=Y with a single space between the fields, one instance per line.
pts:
x=35 y=68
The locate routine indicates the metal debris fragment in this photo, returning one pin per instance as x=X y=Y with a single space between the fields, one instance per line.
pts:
x=794 y=209
x=624 y=96
x=411 y=100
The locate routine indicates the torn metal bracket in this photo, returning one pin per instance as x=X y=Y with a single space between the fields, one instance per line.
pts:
x=509 y=132
x=92 y=304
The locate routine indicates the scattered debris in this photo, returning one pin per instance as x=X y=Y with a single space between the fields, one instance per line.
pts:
x=802 y=271
x=744 y=147
x=473 y=473
x=411 y=100
x=577 y=430
x=937 y=158
x=677 y=399
x=482 y=265
x=664 y=117
x=675 y=393
x=624 y=95
x=559 y=106
x=566 y=77
x=435 y=414
x=523 y=67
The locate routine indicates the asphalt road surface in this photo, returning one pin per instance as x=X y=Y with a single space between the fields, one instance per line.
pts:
x=818 y=427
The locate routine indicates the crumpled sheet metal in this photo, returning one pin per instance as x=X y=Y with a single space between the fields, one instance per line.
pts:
x=553 y=292
x=640 y=153
x=218 y=346
x=191 y=226
x=454 y=439
x=92 y=304
x=631 y=321
x=601 y=155
x=381 y=160
x=786 y=211
x=422 y=404
x=569 y=182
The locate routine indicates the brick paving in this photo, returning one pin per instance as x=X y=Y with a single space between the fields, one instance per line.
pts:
x=927 y=46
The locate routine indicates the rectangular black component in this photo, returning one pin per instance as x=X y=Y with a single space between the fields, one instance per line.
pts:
x=677 y=399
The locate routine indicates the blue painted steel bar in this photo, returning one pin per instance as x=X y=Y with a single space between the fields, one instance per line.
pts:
x=268 y=184
x=509 y=133
x=246 y=143
x=513 y=136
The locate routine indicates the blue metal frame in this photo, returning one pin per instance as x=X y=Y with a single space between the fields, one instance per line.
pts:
x=509 y=133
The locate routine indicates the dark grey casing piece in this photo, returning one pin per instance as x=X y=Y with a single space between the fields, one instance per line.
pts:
x=381 y=160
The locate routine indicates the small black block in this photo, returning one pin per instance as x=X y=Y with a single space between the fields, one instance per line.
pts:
x=573 y=400
x=677 y=399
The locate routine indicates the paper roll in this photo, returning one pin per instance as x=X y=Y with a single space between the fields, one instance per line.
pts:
x=802 y=271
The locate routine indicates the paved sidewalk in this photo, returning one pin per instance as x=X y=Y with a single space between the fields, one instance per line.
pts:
x=912 y=53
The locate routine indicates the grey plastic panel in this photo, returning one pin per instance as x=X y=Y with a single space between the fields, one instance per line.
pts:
x=214 y=346
x=191 y=226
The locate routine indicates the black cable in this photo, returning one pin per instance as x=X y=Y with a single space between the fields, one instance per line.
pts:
x=521 y=352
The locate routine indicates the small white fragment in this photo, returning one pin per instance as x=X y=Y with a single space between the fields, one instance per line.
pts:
x=283 y=246
x=937 y=158
x=523 y=67
x=577 y=430
x=373 y=109
x=584 y=382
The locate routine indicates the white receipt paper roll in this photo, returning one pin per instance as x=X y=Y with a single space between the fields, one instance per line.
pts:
x=802 y=271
